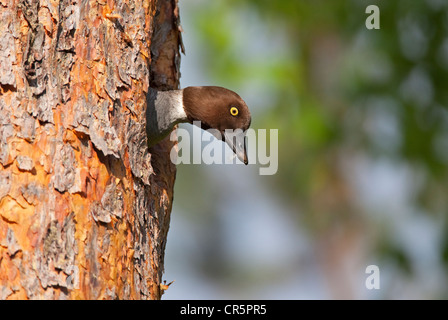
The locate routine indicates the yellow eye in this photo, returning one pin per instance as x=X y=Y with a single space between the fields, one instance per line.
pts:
x=234 y=111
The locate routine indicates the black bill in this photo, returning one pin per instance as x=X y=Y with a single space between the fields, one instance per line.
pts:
x=236 y=139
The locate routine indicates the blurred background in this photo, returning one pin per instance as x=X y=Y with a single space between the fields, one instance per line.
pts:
x=363 y=152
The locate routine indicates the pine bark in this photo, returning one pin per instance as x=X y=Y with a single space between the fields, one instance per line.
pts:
x=84 y=205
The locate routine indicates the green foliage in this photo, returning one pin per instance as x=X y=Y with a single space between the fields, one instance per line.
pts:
x=337 y=90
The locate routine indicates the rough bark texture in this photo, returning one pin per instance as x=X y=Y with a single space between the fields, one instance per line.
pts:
x=84 y=205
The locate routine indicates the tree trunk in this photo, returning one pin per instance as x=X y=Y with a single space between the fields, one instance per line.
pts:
x=84 y=205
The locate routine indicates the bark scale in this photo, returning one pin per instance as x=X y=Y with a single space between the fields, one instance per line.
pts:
x=84 y=205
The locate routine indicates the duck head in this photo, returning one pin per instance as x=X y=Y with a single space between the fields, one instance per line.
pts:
x=221 y=109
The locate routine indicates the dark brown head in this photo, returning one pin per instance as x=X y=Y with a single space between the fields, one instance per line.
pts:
x=220 y=109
